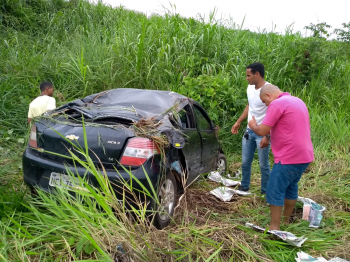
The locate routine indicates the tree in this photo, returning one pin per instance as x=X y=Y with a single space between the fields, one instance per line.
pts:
x=319 y=30
x=343 y=34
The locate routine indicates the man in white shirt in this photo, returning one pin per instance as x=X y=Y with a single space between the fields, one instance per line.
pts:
x=255 y=75
x=42 y=103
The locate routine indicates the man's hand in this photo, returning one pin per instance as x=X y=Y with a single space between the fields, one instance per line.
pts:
x=264 y=142
x=260 y=130
x=235 y=128
x=252 y=123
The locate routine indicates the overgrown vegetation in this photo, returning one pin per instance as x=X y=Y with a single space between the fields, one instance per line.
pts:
x=84 y=49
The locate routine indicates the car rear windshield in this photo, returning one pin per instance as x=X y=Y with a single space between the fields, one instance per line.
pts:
x=75 y=116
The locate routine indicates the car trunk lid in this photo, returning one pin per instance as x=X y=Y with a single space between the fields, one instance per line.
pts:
x=103 y=140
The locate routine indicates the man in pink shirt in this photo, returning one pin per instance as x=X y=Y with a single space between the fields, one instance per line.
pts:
x=287 y=121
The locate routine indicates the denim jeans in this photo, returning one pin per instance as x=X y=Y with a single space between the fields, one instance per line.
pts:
x=248 y=149
x=283 y=183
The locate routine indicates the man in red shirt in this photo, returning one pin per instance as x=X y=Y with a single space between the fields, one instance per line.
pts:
x=287 y=121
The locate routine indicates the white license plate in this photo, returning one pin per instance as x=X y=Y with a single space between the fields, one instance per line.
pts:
x=61 y=180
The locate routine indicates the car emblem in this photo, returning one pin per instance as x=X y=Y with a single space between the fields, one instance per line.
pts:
x=72 y=137
x=113 y=142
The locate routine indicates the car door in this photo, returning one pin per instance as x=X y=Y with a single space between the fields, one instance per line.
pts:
x=210 y=143
x=192 y=149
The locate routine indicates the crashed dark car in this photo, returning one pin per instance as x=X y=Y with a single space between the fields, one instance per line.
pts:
x=113 y=120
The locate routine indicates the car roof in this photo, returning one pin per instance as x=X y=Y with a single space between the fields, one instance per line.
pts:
x=128 y=102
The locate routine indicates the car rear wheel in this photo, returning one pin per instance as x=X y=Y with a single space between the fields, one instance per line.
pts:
x=167 y=199
x=221 y=165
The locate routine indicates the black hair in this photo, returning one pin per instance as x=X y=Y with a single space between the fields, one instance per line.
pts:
x=44 y=85
x=257 y=67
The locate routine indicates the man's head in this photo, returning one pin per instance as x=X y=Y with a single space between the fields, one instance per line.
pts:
x=46 y=88
x=268 y=93
x=255 y=73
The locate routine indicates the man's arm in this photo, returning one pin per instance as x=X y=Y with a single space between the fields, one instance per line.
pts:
x=261 y=130
x=29 y=120
x=244 y=115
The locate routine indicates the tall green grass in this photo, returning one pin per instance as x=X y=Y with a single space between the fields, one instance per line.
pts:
x=84 y=48
x=87 y=222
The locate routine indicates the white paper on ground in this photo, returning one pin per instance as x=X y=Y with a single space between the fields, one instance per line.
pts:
x=284 y=235
x=226 y=193
x=303 y=257
x=215 y=176
x=223 y=193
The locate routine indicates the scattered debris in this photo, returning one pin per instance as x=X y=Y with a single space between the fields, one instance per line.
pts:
x=284 y=235
x=312 y=211
x=226 y=193
x=215 y=176
x=303 y=257
x=237 y=174
x=223 y=193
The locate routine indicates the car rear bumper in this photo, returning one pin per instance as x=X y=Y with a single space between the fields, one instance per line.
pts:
x=37 y=171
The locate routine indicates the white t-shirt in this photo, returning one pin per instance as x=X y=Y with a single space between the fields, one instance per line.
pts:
x=256 y=107
x=40 y=105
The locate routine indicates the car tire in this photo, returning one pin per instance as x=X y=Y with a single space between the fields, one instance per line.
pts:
x=167 y=197
x=221 y=164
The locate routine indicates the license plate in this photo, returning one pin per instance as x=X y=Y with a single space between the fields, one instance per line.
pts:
x=61 y=180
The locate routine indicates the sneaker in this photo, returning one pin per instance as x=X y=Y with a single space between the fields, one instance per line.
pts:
x=243 y=189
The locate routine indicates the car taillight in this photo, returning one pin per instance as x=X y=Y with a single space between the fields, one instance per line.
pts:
x=137 y=151
x=32 y=137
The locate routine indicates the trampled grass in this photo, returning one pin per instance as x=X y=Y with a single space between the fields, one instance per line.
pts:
x=84 y=49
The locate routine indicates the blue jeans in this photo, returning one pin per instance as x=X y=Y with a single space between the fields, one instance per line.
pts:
x=283 y=183
x=248 y=149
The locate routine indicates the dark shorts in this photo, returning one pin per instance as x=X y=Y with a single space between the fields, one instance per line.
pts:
x=283 y=183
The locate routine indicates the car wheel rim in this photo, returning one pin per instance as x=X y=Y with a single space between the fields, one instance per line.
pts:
x=221 y=166
x=166 y=199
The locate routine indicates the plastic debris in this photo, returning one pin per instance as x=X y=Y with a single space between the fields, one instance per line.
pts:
x=223 y=193
x=284 y=235
x=215 y=176
x=303 y=257
x=226 y=193
x=312 y=211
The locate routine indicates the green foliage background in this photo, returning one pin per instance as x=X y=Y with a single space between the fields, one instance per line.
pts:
x=84 y=48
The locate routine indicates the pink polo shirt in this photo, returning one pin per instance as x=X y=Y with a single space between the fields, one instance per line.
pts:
x=288 y=118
